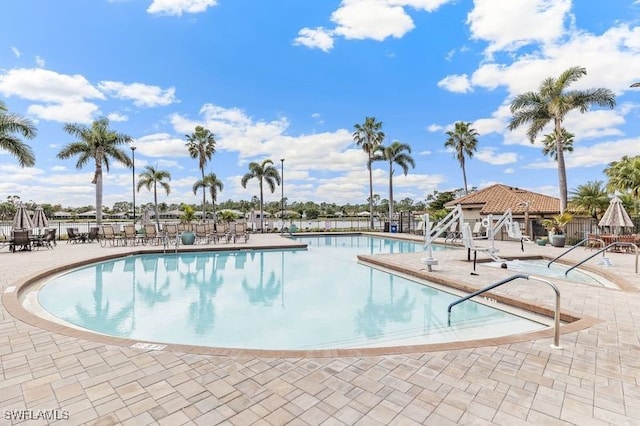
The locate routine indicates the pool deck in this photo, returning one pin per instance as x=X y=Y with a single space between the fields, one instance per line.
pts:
x=593 y=379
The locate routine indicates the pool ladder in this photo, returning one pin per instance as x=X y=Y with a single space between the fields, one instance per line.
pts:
x=602 y=250
x=556 y=316
x=165 y=243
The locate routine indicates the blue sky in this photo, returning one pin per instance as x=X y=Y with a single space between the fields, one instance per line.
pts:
x=289 y=79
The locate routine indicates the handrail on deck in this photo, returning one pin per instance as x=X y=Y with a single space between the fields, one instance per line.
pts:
x=556 y=316
x=616 y=243
x=575 y=247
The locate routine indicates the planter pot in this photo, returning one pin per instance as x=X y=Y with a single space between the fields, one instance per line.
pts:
x=541 y=242
x=188 y=238
x=557 y=240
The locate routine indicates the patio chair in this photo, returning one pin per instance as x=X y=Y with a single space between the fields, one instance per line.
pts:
x=453 y=233
x=201 y=233
x=93 y=234
x=130 y=235
x=20 y=239
x=49 y=238
x=109 y=236
x=73 y=236
x=151 y=234
x=477 y=229
x=223 y=232
x=240 y=232
x=184 y=227
x=170 y=230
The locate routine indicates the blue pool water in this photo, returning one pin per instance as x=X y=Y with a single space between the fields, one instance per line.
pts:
x=556 y=270
x=292 y=299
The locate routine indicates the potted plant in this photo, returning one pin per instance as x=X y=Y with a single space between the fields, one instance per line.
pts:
x=188 y=215
x=555 y=226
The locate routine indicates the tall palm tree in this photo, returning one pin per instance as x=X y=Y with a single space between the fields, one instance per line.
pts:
x=13 y=123
x=214 y=184
x=396 y=153
x=624 y=175
x=263 y=172
x=463 y=139
x=551 y=104
x=152 y=177
x=201 y=145
x=550 y=143
x=368 y=136
x=100 y=144
x=591 y=197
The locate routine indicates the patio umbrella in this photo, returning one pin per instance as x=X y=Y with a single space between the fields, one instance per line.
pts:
x=615 y=216
x=145 y=218
x=21 y=220
x=40 y=219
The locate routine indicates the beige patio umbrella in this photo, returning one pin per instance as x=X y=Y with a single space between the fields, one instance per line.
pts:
x=21 y=220
x=145 y=218
x=615 y=216
x=40 y=219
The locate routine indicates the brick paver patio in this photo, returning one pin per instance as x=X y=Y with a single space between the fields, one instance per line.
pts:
x=593 y=379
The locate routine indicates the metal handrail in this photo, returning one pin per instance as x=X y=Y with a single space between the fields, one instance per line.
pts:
x=575 y=247
x=617 y=243
x=556 y=316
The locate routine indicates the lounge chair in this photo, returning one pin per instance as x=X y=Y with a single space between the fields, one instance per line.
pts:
x=73 y=236
x=477 y=229
x=130 y=235
x=94 y=234
x=170 y=230
x=201 y=233
x=110 y=236
x=452 y=234
x=49 y=239
x=222 y=232
x=21 y=239
x=151 y=234
x=240 y=232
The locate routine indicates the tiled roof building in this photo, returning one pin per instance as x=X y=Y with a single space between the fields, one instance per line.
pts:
x=496 y=199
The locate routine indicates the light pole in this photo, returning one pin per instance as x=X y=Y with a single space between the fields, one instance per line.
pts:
x=133 y=181
x=282 y=195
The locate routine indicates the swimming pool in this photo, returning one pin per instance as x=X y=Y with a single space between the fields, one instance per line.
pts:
x=555 y=270
x=286 y=299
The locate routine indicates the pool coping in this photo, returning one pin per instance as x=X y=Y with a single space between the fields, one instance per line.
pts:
x=13 y=296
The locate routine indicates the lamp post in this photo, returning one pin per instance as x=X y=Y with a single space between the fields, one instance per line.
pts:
x=133 y=181
x=282 y=195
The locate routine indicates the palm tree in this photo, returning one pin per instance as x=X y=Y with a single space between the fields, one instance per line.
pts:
x=152 y=177
x=624 y=175
x=368 y=136
x=591 y=197
x=263 y=172
x=100 y=144
x=201 y=145
x=463 y=139
x=398 y=153
x=550 y=143
x=214 y=184
x=12 y=123
x=551 y=104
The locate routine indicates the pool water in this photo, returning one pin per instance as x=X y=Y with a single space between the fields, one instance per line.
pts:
x=556 y=270
x=290 y=299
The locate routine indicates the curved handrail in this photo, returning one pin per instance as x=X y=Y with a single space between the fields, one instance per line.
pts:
x=617 y=243
x=556 y=316
x=575 y=247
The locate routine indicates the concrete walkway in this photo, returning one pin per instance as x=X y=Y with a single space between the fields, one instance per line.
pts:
x=593 y=379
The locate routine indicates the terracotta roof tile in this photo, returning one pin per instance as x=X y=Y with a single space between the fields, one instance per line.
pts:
x=496 y=199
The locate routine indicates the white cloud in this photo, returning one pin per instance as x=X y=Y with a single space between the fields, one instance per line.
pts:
x=599 y=154
x=456 y=83
x=491 y=156
x=161 y=145
x=142 y=95
x=116 y=116
x=65 y=112
x=178 y=7
x=319 y=38
x=508 y=25
x=39 y=62
x=15 y=51
x=366 y=19
x=509 y=171
x=433 y=128
x=46 y=86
